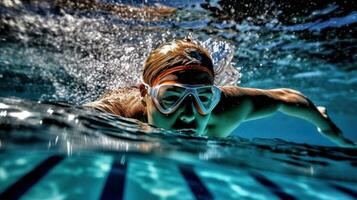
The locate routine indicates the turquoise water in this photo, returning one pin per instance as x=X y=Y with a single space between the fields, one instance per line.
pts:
x=55 y=151
x=55 y=56
x=90 y=176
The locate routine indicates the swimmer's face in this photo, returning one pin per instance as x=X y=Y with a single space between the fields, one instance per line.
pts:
x=186 y=117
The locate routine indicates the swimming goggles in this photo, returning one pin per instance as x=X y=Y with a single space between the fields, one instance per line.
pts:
x=168 y=97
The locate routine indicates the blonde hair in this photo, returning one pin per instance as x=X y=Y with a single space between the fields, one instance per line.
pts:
x=175 y=53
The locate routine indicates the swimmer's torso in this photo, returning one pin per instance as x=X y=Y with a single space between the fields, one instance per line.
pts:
x=127 y=102
x=236 y=105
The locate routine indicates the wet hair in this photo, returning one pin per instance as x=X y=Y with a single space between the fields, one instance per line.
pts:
x=175 y=53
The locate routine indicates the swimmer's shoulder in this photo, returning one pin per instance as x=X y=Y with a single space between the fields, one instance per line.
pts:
x=233 y=98
x=234 y=106
x=125 y=102
x=240 y=104
x=228 y=114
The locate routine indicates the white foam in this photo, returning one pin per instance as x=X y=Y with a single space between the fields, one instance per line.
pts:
x=165 y=49
x=3 y=106
x=21 y=115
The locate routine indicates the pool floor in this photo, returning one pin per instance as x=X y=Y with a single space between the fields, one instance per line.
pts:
x=25 y=175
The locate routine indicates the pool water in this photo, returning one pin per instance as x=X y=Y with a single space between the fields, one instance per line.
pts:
x=57 y=55
x=56 y=151
x=94 y=175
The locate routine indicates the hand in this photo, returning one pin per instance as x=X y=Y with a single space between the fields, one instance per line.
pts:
x=332 y=131
x=336 y=135
x=322 y=111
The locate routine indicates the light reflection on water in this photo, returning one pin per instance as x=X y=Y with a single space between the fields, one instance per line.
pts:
x=68 y=180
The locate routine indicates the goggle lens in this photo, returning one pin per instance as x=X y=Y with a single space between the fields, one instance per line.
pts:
x=169 y=96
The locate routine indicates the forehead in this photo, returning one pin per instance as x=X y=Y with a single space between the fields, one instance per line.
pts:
x=191 y=77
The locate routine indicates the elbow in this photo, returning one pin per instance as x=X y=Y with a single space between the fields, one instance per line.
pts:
x=289 y=98
x=292 y=96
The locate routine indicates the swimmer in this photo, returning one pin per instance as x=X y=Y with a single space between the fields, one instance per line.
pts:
x=178 y=93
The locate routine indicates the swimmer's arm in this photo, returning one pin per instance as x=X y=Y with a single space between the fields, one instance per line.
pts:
x=261 y=103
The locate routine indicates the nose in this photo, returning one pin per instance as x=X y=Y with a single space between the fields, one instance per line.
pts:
x=188 y=114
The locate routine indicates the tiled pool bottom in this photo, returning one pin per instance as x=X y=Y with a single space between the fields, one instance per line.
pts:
x=88 y=175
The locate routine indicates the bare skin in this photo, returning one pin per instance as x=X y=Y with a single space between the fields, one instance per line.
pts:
x=237 y=104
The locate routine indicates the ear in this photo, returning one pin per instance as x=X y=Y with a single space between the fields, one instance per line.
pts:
x=143 y=90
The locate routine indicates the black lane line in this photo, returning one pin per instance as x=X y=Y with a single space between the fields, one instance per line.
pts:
x=345 y=190
x=274 y=188
x=197 y=187
x=21 y=186
x=114 y=187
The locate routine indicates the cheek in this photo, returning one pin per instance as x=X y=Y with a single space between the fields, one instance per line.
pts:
x=158 y=119
x=202 y=120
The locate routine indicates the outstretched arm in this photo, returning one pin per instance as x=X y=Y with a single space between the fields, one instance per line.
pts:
x=260 y=103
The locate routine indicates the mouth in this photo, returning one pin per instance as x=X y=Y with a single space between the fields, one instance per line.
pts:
x=187 y=131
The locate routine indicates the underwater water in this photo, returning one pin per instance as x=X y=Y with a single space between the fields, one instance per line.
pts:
x=57 y=55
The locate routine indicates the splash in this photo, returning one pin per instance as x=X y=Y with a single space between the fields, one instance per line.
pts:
x=75 y=51
x=82 y=56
